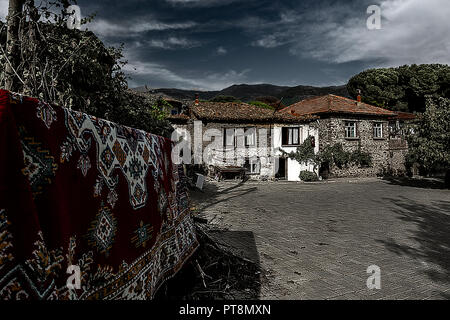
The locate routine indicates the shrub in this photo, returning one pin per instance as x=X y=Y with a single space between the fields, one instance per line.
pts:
x=361 y=158
x=308 y=176
x=261 y=105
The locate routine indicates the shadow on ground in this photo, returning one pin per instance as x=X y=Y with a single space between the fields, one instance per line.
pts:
x=417 y=183
x=212 y=195
x=225 y=269
x=432 y=235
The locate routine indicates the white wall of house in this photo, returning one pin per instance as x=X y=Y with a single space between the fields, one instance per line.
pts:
x=294 y=167
x=267 y=156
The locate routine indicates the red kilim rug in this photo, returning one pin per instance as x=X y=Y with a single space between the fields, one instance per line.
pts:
x=89 y=209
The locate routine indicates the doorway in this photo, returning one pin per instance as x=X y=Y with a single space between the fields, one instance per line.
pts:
x=282 y=169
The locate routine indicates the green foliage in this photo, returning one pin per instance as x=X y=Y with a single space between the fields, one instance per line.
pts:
x=225 y=99
x=335 y=154
x=403 y=88
x=330 y=154
x=261 y=105
x=305 y=153
x=73 y=68
x=429 y=144
x=361 y=158
x=142 y=113
x=308 y=176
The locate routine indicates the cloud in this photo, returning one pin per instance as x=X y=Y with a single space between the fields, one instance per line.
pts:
x=107 y=28
x=172 y=43
x=3 y=9
x=200 y=3
x=413 y=31
x=221 y=51
x=159 y=73
x=271 y=41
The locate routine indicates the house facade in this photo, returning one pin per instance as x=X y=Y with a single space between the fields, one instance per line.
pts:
x=258 y=139
x=243 y=135
x=356 y=126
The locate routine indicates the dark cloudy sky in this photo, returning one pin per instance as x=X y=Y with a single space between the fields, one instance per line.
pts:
x=211 y=44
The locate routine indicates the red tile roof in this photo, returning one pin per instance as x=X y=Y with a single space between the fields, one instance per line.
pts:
x=334 y=104
x=239 y=112
x=405 y=116
x=178 y=118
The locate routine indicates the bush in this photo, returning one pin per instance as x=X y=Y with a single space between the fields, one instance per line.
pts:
x=261 y=105
x=361 y=158
x=308 y=176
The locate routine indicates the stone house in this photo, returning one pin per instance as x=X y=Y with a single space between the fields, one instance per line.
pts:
x=355 y=125
x=244 y=135
x=398 y=145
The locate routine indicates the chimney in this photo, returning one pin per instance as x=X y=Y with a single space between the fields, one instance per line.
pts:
x=196 y=99
x=359 y=96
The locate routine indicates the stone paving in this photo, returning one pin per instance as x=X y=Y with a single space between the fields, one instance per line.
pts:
x=316 y=240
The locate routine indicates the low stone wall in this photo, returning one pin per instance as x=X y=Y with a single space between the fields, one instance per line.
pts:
x=354 y=171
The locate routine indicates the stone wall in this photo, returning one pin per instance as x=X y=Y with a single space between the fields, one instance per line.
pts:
x=332 y=130
x=398 y=149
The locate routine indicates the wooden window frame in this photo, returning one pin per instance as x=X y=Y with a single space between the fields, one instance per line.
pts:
x=247 y=132
x=285 y=139
x=346 y=126
x=375 y=129
x=225 y=145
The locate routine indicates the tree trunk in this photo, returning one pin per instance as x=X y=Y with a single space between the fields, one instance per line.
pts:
x=12 y=49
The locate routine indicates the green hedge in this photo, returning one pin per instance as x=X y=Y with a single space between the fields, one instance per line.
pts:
x=308 y=176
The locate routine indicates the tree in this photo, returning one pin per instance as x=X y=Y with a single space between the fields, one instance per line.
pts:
x=73 y=68
x=403 y=88
x=12 y=52
x=429 y=144
x=305 y=153
x=224 y=99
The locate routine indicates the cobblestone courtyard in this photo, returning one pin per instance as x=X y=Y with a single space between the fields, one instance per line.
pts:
x=316 y=241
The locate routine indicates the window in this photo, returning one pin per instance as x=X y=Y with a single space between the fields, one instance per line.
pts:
x=252 y=166
x=229 y=138
x=378 y=130
x=290 y=136
x=250 y=137
x=350 y=129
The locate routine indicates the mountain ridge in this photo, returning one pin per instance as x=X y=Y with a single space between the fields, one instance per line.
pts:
x=251 y=92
